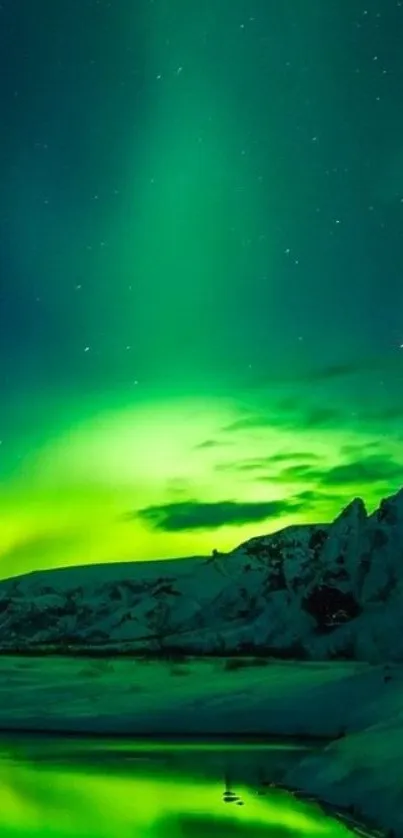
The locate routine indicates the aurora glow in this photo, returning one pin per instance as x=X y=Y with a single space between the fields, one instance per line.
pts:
x=81 y=790
x=201 y=273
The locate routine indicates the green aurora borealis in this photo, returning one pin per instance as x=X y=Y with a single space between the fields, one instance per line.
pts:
x=201 y=288
x=104 y=789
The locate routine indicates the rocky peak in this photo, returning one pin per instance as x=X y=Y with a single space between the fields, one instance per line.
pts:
x=356 y=510
x=332 y=590
x=390 y=510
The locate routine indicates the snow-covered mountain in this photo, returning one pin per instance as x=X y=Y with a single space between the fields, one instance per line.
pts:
x=312 y=591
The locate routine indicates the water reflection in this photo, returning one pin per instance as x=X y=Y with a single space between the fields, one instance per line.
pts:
x=93 y=789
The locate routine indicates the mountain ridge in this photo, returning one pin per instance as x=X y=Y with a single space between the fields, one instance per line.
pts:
x=314 y=591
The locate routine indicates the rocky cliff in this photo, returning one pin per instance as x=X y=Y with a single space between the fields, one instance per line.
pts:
x=314 y=591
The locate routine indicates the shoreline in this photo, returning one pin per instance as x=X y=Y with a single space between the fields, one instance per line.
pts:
x=352 y=711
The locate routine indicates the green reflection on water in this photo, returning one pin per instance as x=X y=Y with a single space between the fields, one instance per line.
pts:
x=92 y=789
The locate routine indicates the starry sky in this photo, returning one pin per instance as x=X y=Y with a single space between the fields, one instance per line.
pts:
x=201 y=265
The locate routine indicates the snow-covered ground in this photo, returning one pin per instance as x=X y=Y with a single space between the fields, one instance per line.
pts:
x=361 y=703
x=194 y=697
x=316 y=591
x=323 y=593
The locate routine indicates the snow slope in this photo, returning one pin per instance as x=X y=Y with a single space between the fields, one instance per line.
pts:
x=357 y=704
x=314 y=591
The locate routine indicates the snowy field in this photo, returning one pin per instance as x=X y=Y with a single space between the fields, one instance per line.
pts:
x=359 y=705
x=198 y=696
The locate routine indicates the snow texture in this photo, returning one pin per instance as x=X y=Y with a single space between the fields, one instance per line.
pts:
x=358 y=705
x=313 y=592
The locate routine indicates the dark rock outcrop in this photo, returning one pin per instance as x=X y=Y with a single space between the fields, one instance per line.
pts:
x=321 y=591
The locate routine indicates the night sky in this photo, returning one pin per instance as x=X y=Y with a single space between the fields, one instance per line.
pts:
x=201 y=287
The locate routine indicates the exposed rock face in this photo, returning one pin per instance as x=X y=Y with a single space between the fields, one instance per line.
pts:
x=315 y=591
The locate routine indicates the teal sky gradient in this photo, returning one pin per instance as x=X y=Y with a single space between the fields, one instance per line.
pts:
x=201 y=304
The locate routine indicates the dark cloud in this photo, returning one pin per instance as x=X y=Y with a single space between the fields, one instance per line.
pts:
x=387 y=414
x=320 y=417
x=313 y=499
x=357 y=451
x=288 y=413
x=305 y=458
x=293 y=456
x=366 y=470
x=289 y=405
x=316 y=497
x=355 y=367
x=211 y=443
x=254 y=464
x=248 y=423
x=330 y=372
x=340 y=370
x=302 y=471
x=194 y=515
x=391 y=413
x=333 y=371
x=208 y=443
x=292 y=415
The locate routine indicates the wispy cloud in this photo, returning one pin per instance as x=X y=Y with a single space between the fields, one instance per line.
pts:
x=319 y=417
x=302 y=471
x=372 y=469
x=250 y=422
x=274 y=464
x=344 y=369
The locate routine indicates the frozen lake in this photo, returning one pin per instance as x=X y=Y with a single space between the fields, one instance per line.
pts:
x=97 y=788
